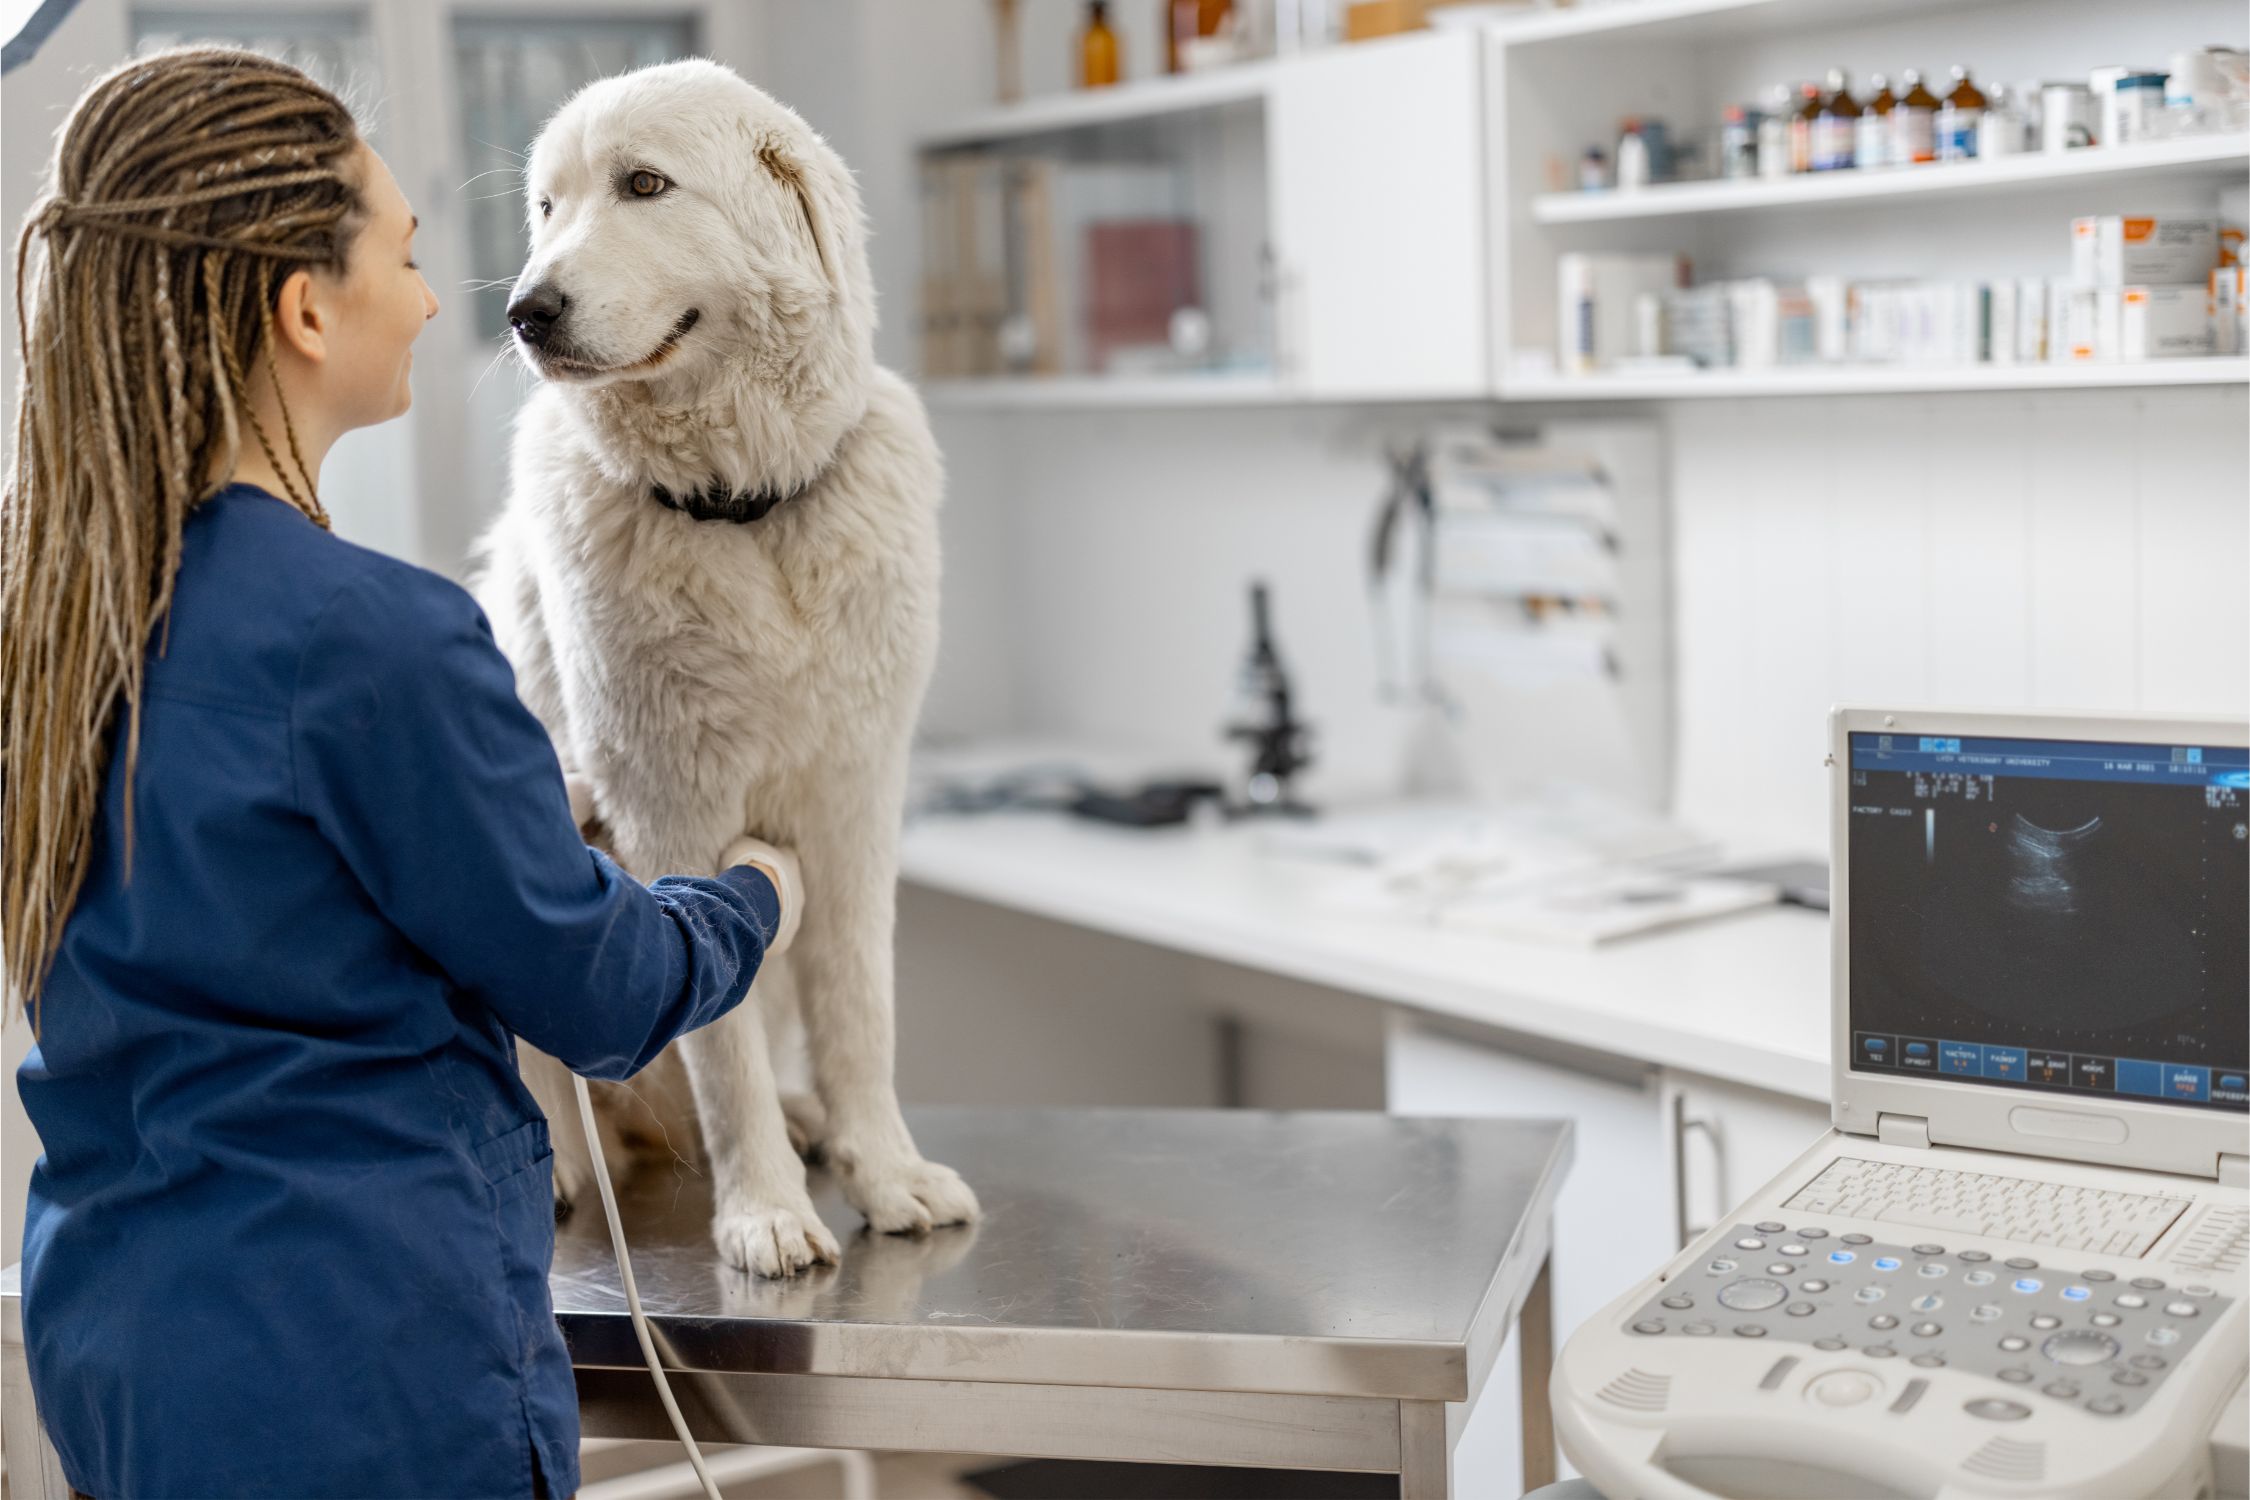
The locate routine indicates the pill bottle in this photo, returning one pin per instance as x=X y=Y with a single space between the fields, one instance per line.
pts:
x=1871 y=146
x=1801 y=125
x=1836 y=127
x=1959 y=118
x=1773 y=134
x=1913 y=122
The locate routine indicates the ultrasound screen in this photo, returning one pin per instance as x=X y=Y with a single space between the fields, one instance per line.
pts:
x=2059 y=915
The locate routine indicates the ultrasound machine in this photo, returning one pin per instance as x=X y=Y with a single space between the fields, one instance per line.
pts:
x=2016 y=1266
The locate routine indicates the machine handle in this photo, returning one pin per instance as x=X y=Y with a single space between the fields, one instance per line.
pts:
x=1628 y=1462
x=1681 y=1126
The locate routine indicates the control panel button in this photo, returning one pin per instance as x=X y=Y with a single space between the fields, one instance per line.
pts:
x=1678 y=1304
x=1843 y=1388
x=2163 y=1337
x=1812 y=1234
x=1749 y=1242
x=1975 y=1255
x=1792 y=1249
x=1752 y=1294
x=2021 y=1263
x=2098 y=1275
x=2106 y=1320
x=2148 y=1283
x=1886 y=1262
x=1722 y=1267
x=1928 y=1330
x=2063 y=1388
x=1830 y=1344
x=1858 y=1239
x=2197 y=1291
x=1927 y=1302
x=1649 y=1325
x=1869 y=1294
x=1928 y=1361
x=2076 y=1293
x=1880 y=1351
x=2045 y=1321
x=2079 y=1346
x=1815 y=1286
x=2026 y=1284
x=1841 y=1257
x=2147 y=1361
x=1799 y=1309
x=2016 y=1376
x=1882 y=1320
x=1749 y=1331
x=1932 y=1269
x=1978 y=1278
x=2180 y=1309
x=2131 y=1301
x=1929 y=1249
x=1781 y=1268
x=2128 y=1377
x=1769 y=1226
x=1993 y=1409
x=1698 y=1329
x=2014 y=1343
x=1985 y=1312
x=2105 y=1406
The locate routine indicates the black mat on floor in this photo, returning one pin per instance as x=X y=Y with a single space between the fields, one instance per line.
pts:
x=1077 y=1479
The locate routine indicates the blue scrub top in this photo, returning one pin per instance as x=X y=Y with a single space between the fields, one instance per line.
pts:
x=291 y=1233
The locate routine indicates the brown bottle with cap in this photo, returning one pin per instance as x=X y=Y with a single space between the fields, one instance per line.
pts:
x=1872 y=141
x=1801 y=124
x=1835 y=128
x=1097 y=48
x=1913 y=122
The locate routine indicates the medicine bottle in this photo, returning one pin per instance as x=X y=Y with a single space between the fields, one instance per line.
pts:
x=1186 y=20
x=1913 y=122
x=1097 y=48
x=1959 y=118
x=1872 y=142
x=1836 y=127
x=1801 y=124
x=1773 y=134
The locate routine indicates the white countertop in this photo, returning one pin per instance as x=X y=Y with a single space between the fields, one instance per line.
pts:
x=1742 y=998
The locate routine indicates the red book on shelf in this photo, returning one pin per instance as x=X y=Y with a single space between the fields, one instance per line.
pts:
x=1138 y=273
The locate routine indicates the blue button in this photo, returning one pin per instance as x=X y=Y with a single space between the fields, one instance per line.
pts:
x=2028 y=1284
x=1964 y=1058
x=2137 y=1077
x=2184 y=1082
x=1917 y=1049
x=1841 y=1257
x=2004 y=1062
x=2075 y=1294
x=1886 y=1262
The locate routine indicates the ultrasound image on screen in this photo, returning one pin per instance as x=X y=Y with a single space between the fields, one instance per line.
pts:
x=2052 y=915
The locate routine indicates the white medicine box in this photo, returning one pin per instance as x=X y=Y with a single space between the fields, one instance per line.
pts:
x=2121 y=250
x=2162 y=322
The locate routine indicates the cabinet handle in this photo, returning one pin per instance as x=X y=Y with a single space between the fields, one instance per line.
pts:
x=1682 y=1126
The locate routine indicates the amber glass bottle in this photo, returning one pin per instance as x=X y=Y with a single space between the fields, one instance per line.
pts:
x=1098 y=63
x=1913 y=123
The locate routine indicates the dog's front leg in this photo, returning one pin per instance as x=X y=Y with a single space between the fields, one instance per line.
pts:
x=843 y=962
x=761 y=1216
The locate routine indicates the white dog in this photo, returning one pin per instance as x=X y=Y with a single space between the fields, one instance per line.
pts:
x=717 y=576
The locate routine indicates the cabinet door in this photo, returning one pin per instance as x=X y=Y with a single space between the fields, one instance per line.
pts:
x=1725 y=1142
x=1611 y=1221
x=1377 y=186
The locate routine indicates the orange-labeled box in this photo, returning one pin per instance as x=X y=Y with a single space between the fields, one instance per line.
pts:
x=2121 y=250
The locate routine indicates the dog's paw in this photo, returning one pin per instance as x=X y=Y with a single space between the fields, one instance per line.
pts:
x=573 y=1183
x=908 y=1195
x=774 y=1241
x=808 y=1124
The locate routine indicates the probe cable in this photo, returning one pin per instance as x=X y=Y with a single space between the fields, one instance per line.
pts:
x=633 y=1292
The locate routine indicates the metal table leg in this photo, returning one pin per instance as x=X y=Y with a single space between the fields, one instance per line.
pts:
x=1535 y=1344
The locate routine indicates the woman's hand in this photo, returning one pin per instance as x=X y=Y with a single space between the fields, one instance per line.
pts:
x=780 y=867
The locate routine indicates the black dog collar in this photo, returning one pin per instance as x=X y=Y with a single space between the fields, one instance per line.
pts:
x=718 y=503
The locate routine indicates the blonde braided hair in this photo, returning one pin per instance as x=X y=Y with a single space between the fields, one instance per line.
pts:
x=187 y=187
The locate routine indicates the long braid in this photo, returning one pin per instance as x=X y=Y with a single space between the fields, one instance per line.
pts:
x=186 y=188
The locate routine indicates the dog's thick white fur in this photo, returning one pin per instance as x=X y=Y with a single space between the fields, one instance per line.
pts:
x=709 y=678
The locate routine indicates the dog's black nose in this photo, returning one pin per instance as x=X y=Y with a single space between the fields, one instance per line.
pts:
x=533 y=314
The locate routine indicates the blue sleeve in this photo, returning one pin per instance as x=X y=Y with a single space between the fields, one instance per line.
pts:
x=441 y=791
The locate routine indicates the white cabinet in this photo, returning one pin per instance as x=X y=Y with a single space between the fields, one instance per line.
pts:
x=1724 y=1142
x=1377 y=172
x=1612 y=1224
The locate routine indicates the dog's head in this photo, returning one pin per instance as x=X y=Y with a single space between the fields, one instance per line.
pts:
x=682 y=220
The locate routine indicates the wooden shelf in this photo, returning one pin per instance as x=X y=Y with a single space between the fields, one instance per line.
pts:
x=1854 y=380
x=2213 y=156
x=1143 y=99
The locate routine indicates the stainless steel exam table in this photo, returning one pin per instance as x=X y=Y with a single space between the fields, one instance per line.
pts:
x=1296 y=1291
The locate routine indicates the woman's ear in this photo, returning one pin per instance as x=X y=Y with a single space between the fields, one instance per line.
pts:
x=299 y=320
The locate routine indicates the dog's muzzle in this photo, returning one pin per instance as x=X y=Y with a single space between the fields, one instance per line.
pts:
x=534 y=314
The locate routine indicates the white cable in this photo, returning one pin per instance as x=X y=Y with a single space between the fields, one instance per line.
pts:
x=633 y=1292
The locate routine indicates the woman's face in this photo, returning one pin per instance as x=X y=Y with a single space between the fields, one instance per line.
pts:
x=380 y=303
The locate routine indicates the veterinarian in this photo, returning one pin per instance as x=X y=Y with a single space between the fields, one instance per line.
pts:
x=286 y=862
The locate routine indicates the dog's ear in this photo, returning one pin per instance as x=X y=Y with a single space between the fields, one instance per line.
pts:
x=819 y=219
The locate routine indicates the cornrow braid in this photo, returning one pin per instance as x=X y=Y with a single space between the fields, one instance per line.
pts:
x=186 y=188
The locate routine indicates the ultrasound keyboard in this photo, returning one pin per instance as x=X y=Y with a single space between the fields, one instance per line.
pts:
x=1982 y=1203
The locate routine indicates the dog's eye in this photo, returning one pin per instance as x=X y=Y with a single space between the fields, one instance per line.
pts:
x=646 y=184
x=546 y=208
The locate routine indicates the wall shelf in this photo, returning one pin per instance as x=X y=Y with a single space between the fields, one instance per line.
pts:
x=1101 y=392
x=2218 y=157
x=1142 y=99
x=1855 y=380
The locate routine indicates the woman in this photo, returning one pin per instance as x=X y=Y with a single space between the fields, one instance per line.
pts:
x=285 y=861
